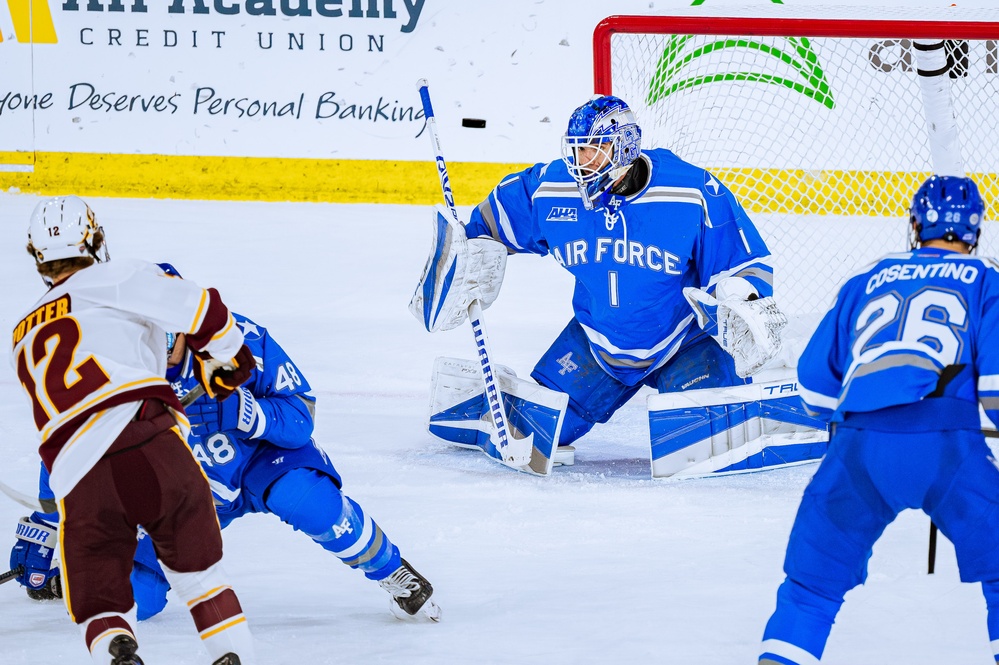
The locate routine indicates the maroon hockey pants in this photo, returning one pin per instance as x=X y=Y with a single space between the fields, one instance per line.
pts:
x=147 y=477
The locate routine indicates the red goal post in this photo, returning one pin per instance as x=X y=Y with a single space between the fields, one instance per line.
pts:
x=815 y=120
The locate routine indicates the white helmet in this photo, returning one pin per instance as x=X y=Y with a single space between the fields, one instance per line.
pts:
x=65 y=228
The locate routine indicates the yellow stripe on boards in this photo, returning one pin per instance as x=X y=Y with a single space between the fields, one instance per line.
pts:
x=32 y=21
x=832 y=192
x=20 y=158
x=253 y=178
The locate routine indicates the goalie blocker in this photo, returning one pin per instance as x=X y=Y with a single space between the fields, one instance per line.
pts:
x=733 y=430
x=459 y=415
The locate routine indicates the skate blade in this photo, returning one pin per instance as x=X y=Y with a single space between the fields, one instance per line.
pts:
x=430 y=611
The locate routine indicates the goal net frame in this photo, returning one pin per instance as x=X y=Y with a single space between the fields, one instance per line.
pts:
x=806 y=304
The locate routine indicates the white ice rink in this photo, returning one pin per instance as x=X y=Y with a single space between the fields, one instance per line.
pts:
x=596 y=564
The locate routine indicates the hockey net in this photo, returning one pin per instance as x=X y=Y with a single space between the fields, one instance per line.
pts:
x=815 y=120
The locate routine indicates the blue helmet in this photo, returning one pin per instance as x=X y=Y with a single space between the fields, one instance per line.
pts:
x=947 y=207
x=607 y=124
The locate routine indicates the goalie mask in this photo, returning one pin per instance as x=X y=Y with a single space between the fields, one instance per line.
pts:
x=607 y=125
x=948 y=208
x=65 y=228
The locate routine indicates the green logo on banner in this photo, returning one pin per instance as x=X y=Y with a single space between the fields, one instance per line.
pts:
x=799 y=55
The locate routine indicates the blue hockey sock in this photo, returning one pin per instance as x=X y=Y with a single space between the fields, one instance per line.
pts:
x=991 y=591
x=311 y=502
x=798 y=629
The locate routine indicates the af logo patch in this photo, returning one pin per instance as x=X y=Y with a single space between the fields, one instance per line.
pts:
x=568 y=366
x=563 y=214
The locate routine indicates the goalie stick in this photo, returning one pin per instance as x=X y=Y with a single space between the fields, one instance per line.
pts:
x=32 y=504
x=516 y=453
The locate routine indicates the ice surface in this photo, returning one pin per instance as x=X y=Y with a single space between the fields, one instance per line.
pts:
x=596 y=564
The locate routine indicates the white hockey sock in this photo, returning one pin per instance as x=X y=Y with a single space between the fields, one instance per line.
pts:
x=217 y=614
x=99 y=630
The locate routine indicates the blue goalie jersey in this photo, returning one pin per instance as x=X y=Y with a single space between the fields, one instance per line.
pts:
x=285 y=421
x=631 y=258
x=919 y=324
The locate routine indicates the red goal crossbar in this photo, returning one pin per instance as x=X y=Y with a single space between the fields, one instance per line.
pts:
x=772 y=27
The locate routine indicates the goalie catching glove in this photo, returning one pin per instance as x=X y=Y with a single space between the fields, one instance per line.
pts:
x=458 y=271
x=748 y=330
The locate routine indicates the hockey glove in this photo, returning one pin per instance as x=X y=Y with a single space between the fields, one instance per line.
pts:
x=221 y=379
x=748 y=330
x=242 y=413
x=36 y=542
x=458 y=271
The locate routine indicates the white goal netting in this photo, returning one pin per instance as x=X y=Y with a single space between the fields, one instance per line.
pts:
x=823 y=138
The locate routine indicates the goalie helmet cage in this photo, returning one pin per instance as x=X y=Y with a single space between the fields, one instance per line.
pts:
x=813 y=117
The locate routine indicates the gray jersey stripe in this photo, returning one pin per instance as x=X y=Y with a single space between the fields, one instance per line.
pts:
x=623 y=362
x=486 y=211
x=888 y=362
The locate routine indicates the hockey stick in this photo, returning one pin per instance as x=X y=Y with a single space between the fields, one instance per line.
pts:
x=32 y=504
x=504 y=443
x=11 y=574
x=21 y=498
x=195 y=392
x=933 y=549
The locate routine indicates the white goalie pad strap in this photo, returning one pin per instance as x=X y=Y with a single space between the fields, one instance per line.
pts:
x=457 y=272
x=748 y=330
x=457 y=412
x=732 y=430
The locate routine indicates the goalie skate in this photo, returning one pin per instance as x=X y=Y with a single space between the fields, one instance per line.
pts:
x=411 y=594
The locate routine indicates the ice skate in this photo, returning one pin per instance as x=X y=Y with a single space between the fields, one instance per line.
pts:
x=123 y=648
x=228 y=659
x=564 y=456
x=410 y=594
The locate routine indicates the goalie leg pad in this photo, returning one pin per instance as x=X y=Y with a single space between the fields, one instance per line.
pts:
x=458 y=410
x=732 y=430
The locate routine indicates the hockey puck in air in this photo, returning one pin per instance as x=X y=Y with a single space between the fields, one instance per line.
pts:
x=474 y=123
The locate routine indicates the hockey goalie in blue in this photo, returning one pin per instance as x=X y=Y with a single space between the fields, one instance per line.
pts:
x=898 y=366
x=256 y=449
x=673 y=282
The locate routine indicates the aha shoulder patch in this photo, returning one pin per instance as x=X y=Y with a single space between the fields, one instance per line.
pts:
x=563 y=214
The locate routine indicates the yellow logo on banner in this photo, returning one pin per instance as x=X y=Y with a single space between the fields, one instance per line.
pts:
x=32 y=21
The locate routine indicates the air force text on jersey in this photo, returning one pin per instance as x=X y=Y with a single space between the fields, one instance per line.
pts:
x=631 y=252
